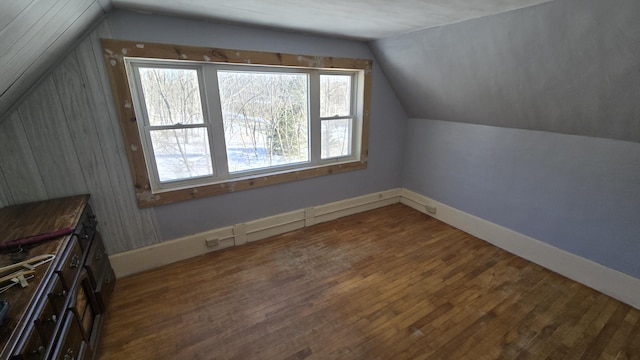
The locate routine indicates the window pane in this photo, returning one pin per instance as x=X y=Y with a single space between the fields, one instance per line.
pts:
x=171 y=96
x=181 y=153
x=265 y=118
x=336 y=138
x=335 y=95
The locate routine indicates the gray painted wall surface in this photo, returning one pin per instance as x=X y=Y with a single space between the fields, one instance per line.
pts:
x=387 y=129
x=577 y=193
x=64 y=139
x=567 y=66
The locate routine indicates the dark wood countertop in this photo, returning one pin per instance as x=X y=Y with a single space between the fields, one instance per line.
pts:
x=24 y=220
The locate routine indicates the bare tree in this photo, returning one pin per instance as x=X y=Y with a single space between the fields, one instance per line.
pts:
x=265 y=118
x=272 y=109
x=172 y=97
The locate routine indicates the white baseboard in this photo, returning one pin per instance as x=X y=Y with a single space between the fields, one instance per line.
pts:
x=150 y=257
x=608 y=281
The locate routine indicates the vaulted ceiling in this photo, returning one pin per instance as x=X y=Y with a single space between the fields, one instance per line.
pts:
x=35 y=33
x=567 y=66
x=358 y=19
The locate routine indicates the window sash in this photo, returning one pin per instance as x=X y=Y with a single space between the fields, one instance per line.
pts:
x=260 y=71
x=213 y=121
x=146 y=128
x=117 y=52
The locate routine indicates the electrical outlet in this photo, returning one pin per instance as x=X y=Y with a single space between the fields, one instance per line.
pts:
x=212 y=241
x=431 y=209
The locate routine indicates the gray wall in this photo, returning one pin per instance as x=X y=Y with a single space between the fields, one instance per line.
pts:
x=564 y=67
x=388 y=122
x=580 y=194
x=567 y=66
x=64 y=138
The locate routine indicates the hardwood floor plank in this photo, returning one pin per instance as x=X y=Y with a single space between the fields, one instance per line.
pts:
x=390 y=283
x=549 y=324
x=597 y=346
x=521 y=327
x=620 y=336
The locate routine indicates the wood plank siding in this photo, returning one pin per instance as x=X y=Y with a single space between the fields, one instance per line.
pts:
x=34 y=35
x=63 y=139
x=390 y=283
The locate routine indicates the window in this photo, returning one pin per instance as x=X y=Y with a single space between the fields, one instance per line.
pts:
x=201 y=121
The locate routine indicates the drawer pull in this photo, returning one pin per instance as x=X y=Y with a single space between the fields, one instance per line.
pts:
x=69 y=355
x=39 y=351
x=99 y=256
x=75 y=262
x=53 y=318
x=62 y=293
x=107 y=279
x=90 y=222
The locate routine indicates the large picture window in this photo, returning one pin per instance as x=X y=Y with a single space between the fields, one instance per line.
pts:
x=209 y=121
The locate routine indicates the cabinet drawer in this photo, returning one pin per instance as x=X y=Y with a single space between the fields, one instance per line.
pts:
x=57 y=294
x=96 y=259
x=71 y=344
x=86 y=228
x=105 y=287
x=84 y=305
x=69 y=269
x=47 y=322
x=33 y=347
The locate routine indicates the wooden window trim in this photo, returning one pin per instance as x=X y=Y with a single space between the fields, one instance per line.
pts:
x=115 y=51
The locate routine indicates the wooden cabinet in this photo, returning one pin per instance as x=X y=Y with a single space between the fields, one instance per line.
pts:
x=59 y=315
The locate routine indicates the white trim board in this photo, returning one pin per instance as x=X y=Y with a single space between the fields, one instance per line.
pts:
x=608 y=281
x=150 y=257
x=601 y=278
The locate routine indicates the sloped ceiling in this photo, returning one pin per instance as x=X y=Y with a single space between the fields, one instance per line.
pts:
x=356 y=19
x=567 y=66
x=34 y=34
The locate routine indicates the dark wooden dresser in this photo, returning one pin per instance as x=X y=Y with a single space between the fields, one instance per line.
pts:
x=59 y=314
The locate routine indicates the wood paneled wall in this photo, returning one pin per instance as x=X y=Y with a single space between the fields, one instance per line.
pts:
x=3 y=197
x=32 y=32
x=64 y=139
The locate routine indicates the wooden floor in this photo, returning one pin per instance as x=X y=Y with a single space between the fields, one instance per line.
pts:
x=391 y=283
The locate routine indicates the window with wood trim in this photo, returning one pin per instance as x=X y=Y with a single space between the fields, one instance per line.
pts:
x=201 y=121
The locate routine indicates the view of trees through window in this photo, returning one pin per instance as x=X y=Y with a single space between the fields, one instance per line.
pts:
x=265 y=116
x=335 y=111
x=172 y=99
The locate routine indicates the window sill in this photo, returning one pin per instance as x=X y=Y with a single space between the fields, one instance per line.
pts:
x=147 y=198
x=114 y=51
